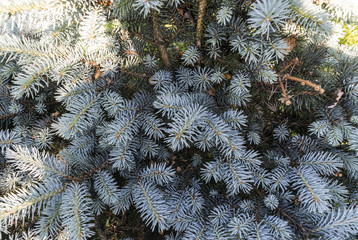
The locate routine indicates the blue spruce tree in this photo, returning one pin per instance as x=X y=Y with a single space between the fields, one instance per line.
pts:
x=178 y=120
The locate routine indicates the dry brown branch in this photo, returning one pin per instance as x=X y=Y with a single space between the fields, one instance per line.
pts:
x=290 y=63
x=286 y=99
x=316 y=87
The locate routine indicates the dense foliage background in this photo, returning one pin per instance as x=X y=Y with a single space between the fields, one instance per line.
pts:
x=174 y=119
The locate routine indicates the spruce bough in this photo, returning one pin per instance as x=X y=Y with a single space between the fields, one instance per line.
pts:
x=174 y=119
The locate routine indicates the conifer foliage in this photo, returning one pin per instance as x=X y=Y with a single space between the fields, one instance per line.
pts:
x=209 y=119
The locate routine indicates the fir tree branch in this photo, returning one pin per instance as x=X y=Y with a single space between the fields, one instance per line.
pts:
x=209 y=104
x=200 y=22
x=159 y=39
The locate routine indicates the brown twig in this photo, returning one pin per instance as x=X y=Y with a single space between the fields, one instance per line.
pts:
x=7 y=116
x=143 y=75
x=286 y=99
x=159 y=39
x=138 y=35
x=257 y=213
x=200 y=22
x=99 y=230
x=293 y=61
x=316 y=87
x=230 y=64
x=174 y=35
x=306 y=93
x=261 y=196
x=86 y=174
x=3 y=165
x=292 y=220
x=129 y=52
x=180 y=26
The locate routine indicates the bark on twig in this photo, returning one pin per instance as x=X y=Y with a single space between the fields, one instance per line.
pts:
x=293 y=61
x=175 y=34
x=298 y=225
x=140 y=36
x=316 y=87
x=286 y=99
x=125 y=71
x=159 y=41
x=86 y=174
x=200 y=22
